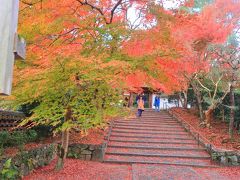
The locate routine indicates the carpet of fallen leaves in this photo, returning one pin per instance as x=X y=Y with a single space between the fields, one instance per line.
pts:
x=86 y=170
x=217 y=134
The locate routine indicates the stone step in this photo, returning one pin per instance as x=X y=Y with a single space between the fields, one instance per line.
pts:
x=147 y=125
x=145 y=120
x=146 y=135
x=155 y=114
x=152 y=109
x=151 y=117
x=157 y=148
x=118 y=127
x=163 y=161
x=152 y=137
x=149 y=132
x=208 y=157
x=138 y=124
x=152 y=140
x=163 y=151
x=161 y=145
x=176 y=159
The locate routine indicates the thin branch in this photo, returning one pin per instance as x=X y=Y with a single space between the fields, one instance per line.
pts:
x=95 y=8
x=113 y=10
x=30 y=3
x=99 y=10
x=216 y=86
x=202 y=84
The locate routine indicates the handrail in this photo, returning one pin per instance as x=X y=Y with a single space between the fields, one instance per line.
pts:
x=195 y=134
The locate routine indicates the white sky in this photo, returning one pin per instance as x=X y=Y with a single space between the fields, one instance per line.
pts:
x=167 y=4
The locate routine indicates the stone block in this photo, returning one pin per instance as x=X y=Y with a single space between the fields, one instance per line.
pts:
x=88 y=157
x=230 y=153
x=83 y=146
x=233 y=160
x=83 y=157
x=214 y=156
x=97 y=155
x=92 y=147
x=86 y=152
x=75 y=149
x=224 y=160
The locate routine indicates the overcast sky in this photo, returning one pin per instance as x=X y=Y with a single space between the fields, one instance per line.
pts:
x=167 y=4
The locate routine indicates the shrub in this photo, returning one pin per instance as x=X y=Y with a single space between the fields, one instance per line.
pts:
x=9 y=171
x=4 y=138
x=32 y=135
x=17 y=138
x=43 y=131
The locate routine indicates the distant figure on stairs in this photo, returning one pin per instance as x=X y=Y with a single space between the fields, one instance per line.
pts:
x=157 y=103
x=140 y=103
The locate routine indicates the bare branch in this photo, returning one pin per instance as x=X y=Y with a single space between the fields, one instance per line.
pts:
x=100 y=11
x=113 y=10
x=216 y=87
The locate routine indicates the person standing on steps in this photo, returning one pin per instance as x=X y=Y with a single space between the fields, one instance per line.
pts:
x=140 y=104
x=157 y=103
x=138 y=97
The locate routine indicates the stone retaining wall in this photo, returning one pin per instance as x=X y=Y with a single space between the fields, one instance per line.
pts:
x=27 y=161
x=225 y=157
x=222 y=156
x=86 y=152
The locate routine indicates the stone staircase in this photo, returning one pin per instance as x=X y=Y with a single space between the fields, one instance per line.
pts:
x=155 y=138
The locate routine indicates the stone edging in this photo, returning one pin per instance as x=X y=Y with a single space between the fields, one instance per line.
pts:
x=224 y=157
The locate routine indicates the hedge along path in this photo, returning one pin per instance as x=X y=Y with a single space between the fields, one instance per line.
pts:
x=155 y=138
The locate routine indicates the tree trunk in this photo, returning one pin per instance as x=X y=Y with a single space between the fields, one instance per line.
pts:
x=200 y=108
x=209 y=116
x=65 y=142
x=232 y=104
x=183 y=99
x=223 y=114
x=199 y=100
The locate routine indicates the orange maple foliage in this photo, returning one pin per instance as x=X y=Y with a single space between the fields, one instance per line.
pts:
x=179 y=40
x=175 y=44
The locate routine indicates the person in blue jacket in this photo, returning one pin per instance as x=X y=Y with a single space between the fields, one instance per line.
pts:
x=157 y=103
